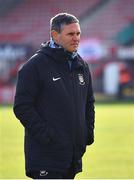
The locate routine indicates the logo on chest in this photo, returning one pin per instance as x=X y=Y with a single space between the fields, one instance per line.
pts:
x=81 y=79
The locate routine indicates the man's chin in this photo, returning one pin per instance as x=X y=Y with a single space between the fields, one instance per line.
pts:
x=73 y=50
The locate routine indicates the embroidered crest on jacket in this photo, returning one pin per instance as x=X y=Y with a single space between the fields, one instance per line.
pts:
x=81 y=79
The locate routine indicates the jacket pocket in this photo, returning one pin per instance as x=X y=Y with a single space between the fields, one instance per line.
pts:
x=58 y=140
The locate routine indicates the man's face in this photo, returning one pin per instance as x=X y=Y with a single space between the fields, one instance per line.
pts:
x=69 y=37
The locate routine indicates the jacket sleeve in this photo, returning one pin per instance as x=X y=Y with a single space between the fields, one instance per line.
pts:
x=27 y=90
x=90 y=111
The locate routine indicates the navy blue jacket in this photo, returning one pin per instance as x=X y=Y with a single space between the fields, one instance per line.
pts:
x=55 y=104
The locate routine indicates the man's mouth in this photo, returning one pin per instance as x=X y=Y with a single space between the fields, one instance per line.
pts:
x=76 y=45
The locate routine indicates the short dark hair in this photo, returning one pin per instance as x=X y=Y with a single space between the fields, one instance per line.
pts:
x=61 y=19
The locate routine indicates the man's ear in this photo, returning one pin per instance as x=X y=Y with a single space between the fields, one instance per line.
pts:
x=55 y=36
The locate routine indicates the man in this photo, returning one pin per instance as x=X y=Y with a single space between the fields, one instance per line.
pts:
x=54 y=101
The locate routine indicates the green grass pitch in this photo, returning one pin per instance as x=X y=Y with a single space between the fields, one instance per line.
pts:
x=110 y=157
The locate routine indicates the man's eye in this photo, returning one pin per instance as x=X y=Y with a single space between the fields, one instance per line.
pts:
x=71 y=34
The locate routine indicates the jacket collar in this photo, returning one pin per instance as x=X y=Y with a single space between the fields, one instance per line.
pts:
x=60 y=55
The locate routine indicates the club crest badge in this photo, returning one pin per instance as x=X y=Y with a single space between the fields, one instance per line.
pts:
x=81 y=79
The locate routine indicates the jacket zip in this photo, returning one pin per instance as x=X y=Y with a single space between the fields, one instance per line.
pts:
x=73 y=73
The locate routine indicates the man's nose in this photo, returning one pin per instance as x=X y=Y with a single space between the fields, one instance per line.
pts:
x=75 y=37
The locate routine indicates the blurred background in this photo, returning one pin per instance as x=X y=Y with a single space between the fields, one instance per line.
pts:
x=107 y=41
x=107 y=44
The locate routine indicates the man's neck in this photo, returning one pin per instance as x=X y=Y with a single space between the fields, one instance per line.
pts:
x=53 y=44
